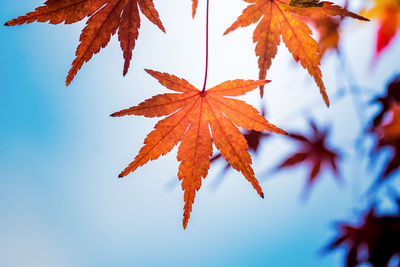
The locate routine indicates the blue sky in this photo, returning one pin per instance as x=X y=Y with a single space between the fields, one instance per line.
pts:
x=60 y=152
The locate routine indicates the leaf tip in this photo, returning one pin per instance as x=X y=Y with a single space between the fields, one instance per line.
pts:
x=163 y=30
x=326 y=100
x=185 y=222
x=114 y=114
x=121 y=175
x=228 y=30
x=151 y=72
x=262 y=195
x=362 y=18
x=262 y=91
x=6 y=24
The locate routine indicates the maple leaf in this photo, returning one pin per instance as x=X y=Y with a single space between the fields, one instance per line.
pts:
x=391 y=97
x=254 y=138
x=385 y=125
x=314 y=152
x=192 y=112
x=379 y=235
x=389 y=136
x=328 y=29
x=106 y=16
x=387 y=12
x=279 y=18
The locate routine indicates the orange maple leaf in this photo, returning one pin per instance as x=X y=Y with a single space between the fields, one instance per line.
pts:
x=106 y=16
x=280 y=18
x=387 y=12
x=328 y=28
x=192 y=112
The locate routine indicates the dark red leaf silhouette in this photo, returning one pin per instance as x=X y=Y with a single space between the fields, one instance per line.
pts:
x=314 y=152
x=379 y=235
x=389 y=136
x=385 y=125
x=392 y=96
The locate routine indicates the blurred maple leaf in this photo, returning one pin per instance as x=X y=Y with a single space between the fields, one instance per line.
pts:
x=192 y=112
x=106 y=16
x=314 y=152
x=385 y=125
x=389 y=136
x=392 y=96
x=281 y=17
x=387 y=12
x=328 y=33
x=379 y=235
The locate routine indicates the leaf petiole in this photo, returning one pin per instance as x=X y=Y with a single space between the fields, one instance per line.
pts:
x=206 y=71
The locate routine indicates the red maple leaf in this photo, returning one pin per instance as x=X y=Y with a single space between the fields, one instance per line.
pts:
x=106 y=17
x=388 y=133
